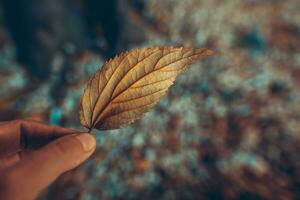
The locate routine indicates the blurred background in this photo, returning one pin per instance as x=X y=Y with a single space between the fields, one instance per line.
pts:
x=228 y=129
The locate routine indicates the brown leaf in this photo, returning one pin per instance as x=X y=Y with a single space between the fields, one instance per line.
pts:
x=131 y=83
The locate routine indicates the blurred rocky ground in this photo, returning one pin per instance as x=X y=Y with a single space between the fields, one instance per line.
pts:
x=228 y=129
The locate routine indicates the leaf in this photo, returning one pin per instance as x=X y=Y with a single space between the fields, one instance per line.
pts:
x=132 y=83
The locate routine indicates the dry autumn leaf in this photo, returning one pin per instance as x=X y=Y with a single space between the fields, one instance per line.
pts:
x=130 y=84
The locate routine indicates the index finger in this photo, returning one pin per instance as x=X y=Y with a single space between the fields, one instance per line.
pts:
x=19 y=135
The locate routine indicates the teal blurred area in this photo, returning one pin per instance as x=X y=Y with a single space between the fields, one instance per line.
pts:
x=228 y=129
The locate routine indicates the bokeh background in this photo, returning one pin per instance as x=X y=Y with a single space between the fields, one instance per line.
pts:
x=228 y=129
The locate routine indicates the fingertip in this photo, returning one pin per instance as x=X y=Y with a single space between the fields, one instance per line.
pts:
x=44 y=165
x=87 y=141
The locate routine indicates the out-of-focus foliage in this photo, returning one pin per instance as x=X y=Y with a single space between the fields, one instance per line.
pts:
x=227 y=130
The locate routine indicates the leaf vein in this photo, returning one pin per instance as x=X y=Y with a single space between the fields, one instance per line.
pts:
x=101 y=92
x=139 y=97
x=133 y=68
x=129 y=110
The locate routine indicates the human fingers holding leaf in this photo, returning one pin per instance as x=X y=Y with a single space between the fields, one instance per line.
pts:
x=33 y=155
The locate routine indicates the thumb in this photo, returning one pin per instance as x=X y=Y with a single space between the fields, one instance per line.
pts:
x=35 y=172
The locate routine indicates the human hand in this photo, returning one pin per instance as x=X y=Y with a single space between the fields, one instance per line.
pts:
x=33 y=155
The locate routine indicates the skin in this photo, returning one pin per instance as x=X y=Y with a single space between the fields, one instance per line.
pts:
x=33 y=155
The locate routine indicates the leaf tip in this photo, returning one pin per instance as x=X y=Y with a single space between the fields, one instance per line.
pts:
x=204 y=52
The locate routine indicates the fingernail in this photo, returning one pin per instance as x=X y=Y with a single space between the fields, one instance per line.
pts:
x=87 y=141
